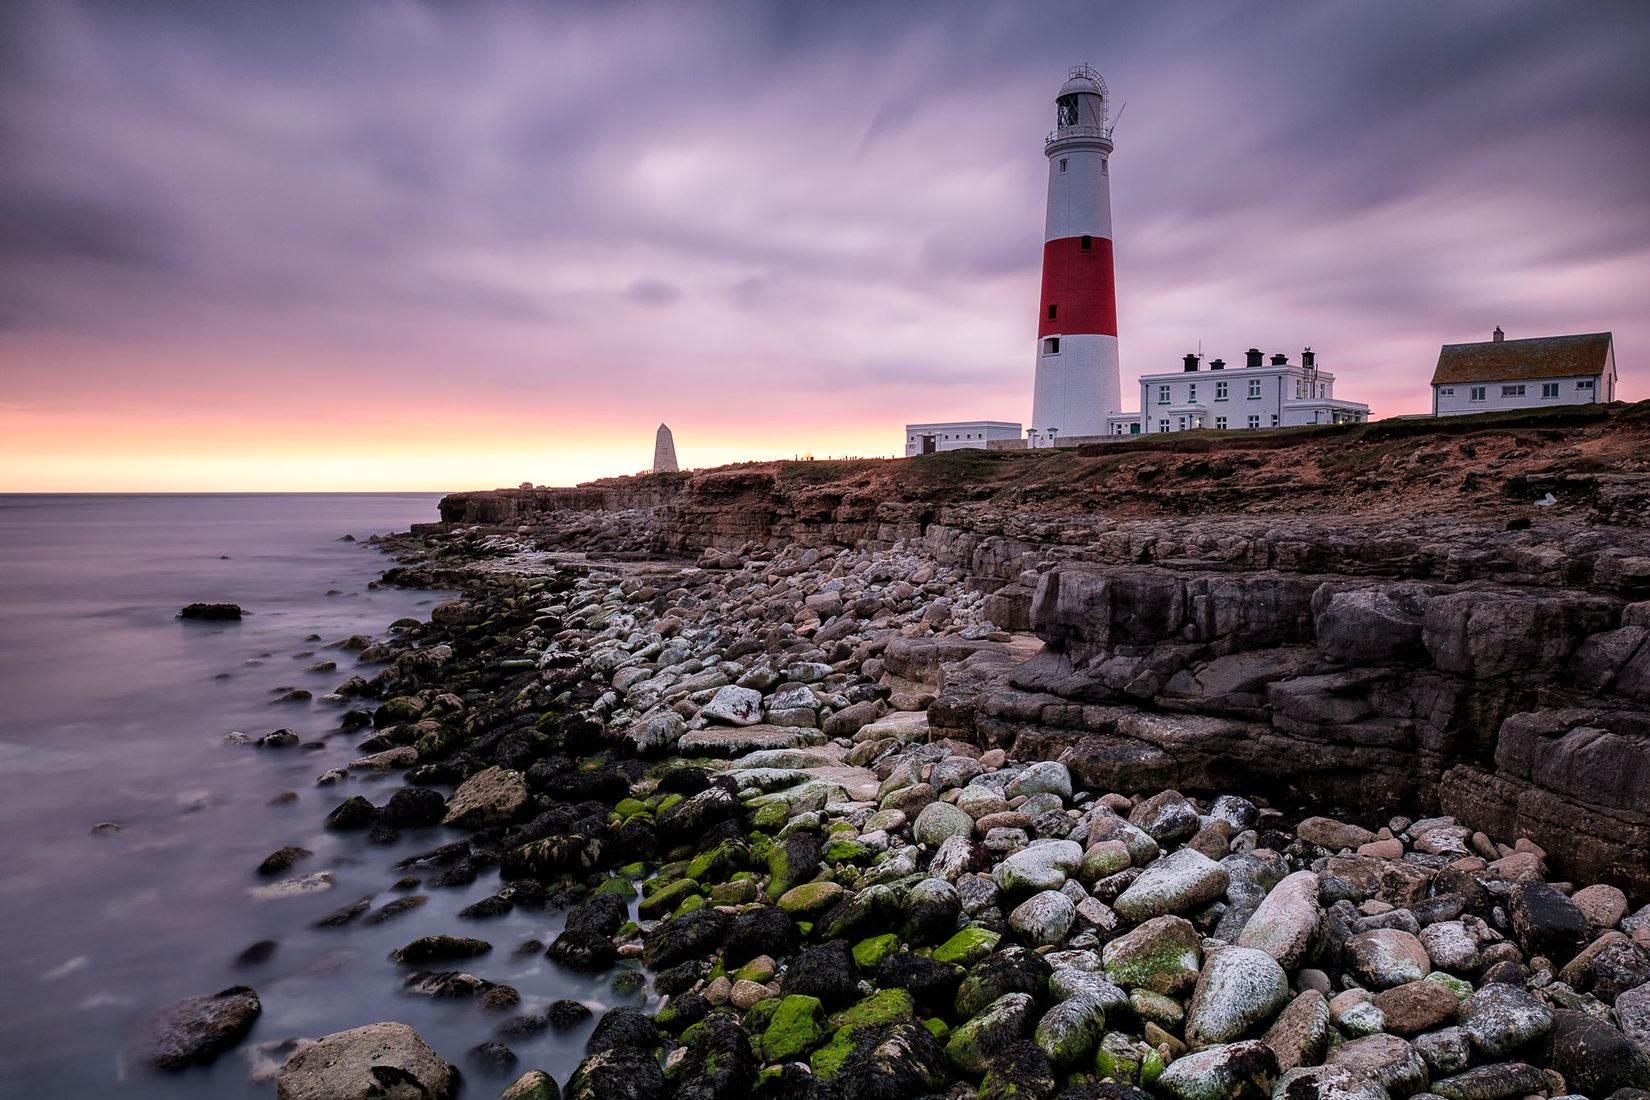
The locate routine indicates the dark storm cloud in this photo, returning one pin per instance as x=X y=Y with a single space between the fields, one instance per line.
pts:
x=858 y=183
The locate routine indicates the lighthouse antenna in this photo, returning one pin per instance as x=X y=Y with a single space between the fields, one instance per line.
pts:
x=1113 y=127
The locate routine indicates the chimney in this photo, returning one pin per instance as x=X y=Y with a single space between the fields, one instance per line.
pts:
x=1191 y=362
x=1497 y=336
x=1254 y=357
x=1280 y=360
x=1217 y=364
x=1309 y=358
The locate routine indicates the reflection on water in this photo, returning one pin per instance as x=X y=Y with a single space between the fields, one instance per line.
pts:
x=112 y=710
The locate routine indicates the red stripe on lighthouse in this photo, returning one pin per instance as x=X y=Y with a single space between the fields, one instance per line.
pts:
x=1078 y=282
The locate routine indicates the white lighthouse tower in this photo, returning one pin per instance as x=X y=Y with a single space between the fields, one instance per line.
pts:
x=1077 y=382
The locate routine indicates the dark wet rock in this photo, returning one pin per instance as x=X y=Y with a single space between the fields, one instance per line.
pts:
x=462 y=873
x=932 y=984
x=495 y=905
x=599 y=915
x=535 y=1084
x=1021 y=1072
x=283 y=860
x=345 y=914
x=1493 y=1082
x=827 y=973
x=211 y=612
x=491 y=1057
x=718 y=1064
x=1501 y=1018
x=624 y=1028
x=257 y=954
x=440 y=948
x=795 y=860
x=894 y=1062
x=681 y=938
x=1166 y=817
x=931 y=910
x=1545 y=922
x=279 y=739
x=446 y=984
x=565 y=1015
x=1594 y=1058
x=1003 y=1023
x=692 y=819
x=522 y=1027
x=385 y=1061
x=683 y=1012
x=762 y=931
x=192 y=1031
x=392 y=909
x=680 y=978
x=410 y=807
x=583 y=952
x=1011 y=970
x=354 y=812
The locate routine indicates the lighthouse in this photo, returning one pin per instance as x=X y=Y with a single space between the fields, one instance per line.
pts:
x=1077 y=381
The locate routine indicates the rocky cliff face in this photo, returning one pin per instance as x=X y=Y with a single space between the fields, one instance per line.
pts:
x=1390 y=622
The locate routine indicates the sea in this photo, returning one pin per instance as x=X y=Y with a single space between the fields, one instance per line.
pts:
x=131 y=831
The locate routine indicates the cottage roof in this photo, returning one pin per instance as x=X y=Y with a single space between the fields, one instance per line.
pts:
x=1521 y=360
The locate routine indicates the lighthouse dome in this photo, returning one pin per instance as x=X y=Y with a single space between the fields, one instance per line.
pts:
x=1082 y=79
x=1081 y=84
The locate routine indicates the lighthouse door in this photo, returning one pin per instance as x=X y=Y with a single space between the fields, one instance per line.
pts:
x=928 y=445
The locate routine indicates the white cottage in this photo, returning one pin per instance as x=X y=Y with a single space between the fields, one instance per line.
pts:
x=1524 y=374
x=1279 y=394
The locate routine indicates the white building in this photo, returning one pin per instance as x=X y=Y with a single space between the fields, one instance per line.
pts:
x=956 y=435
x=1524 y=374
x=1279 y=394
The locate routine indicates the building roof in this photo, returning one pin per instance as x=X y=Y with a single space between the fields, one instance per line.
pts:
x=1520 y=360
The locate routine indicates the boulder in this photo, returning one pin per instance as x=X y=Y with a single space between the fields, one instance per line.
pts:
x=734 y=706
x=1237 y=1071
x=1414 y=1007
x=1385 y=957
x=1594 y=1058
x=1385 y=1059
x=1239 y=989
x=1161 y=955
x=1039 y=867
x=1288 y=921
x=383 y=1061
x=1004 y=1022
x=1175 y=883
x=1545 y=922
x=192 y=1031
x=939 y=822
x=1043 y=919
x=1501 y=1018
x=494 y=796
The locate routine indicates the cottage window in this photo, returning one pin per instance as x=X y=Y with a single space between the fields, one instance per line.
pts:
x=1191 y=393
x=1476 y=393
x=1446 y=391
x=1549 y=389
x=1274 y=420
x=1254 y=389
x=1163 y=395
x=1587 y=385
x=1512 y=391
x=1220 y=391
x=1162 y=425
x=1254 y=421
x=1220 y=422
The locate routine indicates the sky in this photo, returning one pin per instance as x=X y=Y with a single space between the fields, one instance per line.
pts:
x=428 y=245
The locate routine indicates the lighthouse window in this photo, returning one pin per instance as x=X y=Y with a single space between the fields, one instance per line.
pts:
x=1067 y=110
x=1088 y=242
x=1052 y=307
x=1051 y=346
x=1062 y=164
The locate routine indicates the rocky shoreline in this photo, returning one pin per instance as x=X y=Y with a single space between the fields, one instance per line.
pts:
x=834 y=833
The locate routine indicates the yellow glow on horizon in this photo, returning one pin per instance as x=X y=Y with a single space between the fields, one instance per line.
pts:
x=41 y=454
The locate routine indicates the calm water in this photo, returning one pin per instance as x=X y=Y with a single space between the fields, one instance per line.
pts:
x=113 y=710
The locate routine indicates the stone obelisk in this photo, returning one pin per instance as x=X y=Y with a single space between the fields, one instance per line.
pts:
x=664 y=451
